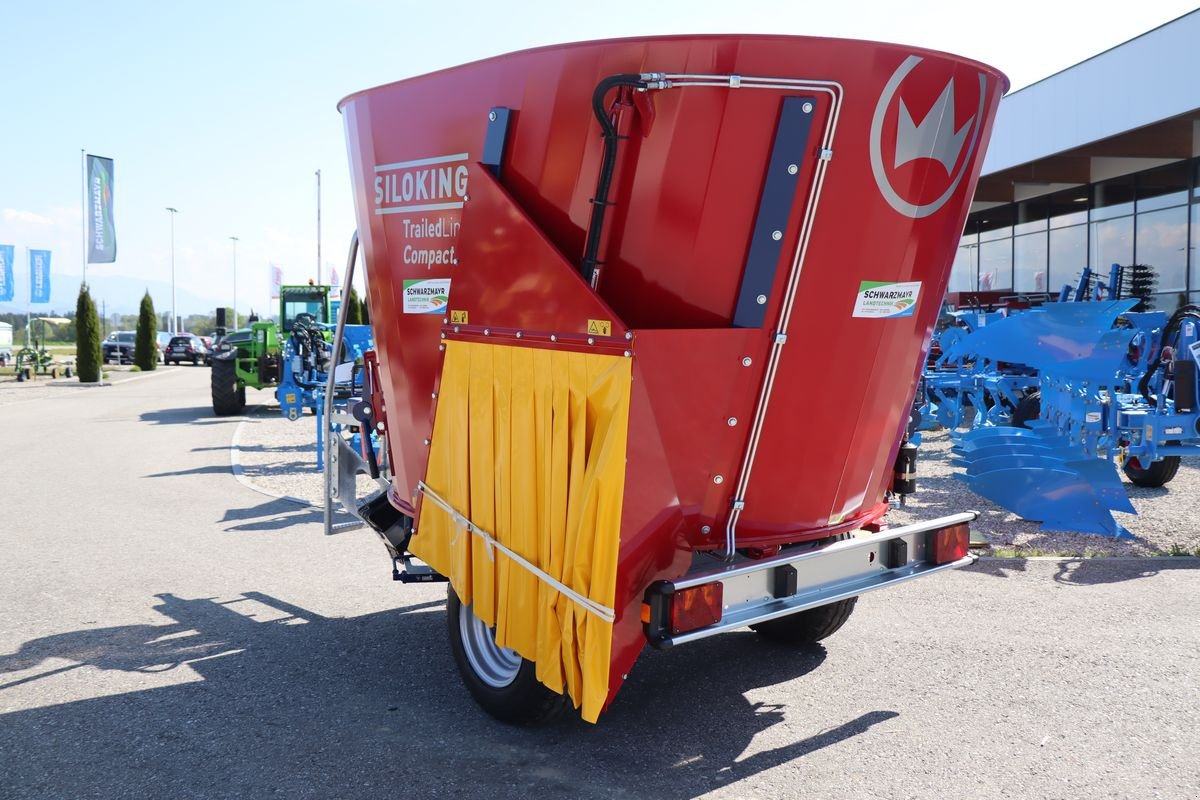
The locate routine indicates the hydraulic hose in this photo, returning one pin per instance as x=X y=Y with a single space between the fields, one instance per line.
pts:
x=608 y=163
x=1169 y=332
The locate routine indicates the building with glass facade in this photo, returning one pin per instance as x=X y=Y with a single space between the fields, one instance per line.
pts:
x=1095 y=165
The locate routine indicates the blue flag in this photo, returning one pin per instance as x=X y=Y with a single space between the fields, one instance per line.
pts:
x=39 y=276
x=6 y=272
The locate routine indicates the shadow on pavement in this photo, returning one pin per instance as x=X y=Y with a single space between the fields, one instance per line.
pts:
x=1093 y=571
x=278 y=514
x=1088 y=571
x=292 y=703
x=201 y=415
x=260 y=448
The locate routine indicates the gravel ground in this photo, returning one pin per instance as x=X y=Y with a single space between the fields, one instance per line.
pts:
x=279 y=457
x=1166 y=522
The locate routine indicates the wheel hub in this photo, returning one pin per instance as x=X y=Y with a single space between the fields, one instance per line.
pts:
x=494 y=665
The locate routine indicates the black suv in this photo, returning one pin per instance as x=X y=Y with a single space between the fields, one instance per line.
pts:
x=185 y=348
x=119 y=347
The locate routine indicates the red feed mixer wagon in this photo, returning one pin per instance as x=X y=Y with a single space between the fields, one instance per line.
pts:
x=649 y=317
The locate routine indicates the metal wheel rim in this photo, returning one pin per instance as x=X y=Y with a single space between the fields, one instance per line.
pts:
x=496 y=666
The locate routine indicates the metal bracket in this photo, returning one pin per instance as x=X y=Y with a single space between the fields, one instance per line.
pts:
x=774 y=208
x=494 y=139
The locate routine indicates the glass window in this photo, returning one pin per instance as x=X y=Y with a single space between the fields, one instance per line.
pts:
x=995 y=265
x=1031 y=216
x=965 y=274
x=1162 y=240
x=1068 y=207
x=1112 y=243
x=1068 y=255
x=1112 y=198
x=1193 y=245
x=1163 y=187
x=1029 y=263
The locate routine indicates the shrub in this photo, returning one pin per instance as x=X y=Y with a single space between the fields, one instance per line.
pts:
x=145 y=352
x=87 y=344
x=353 y=308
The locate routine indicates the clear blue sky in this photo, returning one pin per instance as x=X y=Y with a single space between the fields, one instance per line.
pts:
x=225 y=110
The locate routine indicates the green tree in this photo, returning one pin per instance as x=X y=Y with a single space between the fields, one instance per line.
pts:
x=87 y=343
x=353 y=308
x=145 y=352
x=366 y=312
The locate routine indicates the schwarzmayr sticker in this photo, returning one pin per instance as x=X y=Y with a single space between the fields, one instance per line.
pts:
x=882 y=299
x=426 y=296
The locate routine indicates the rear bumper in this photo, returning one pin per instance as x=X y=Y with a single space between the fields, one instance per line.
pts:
x=766 y=589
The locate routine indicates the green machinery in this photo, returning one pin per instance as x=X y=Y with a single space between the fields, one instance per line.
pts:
x=34 y=358
x=251 y=356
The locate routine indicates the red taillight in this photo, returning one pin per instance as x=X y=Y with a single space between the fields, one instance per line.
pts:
x=949 y=544
x=697 y=607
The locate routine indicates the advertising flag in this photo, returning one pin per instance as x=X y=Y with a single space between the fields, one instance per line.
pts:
x=276 y=281
x=6 y=272
x=102 y=237
x=39 y=276
x=335 y=281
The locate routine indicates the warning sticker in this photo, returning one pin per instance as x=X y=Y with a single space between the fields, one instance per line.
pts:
x=459 y=318
x=878 y=299
x=426 y=296
x=600 y=327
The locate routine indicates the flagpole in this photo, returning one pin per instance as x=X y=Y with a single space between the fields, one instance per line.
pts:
x=318 y=227
x=83 y=219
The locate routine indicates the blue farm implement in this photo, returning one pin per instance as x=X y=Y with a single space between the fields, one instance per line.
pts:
x=1113 y=388
x=964 y=387
x=306 y=361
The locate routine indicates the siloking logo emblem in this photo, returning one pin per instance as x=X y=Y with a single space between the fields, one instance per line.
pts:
x=923 y=135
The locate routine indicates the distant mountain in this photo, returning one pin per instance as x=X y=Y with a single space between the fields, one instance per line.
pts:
x=117 y=294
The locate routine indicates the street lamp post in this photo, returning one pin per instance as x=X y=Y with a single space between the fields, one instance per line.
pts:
x=234 y=239
x=174 y=326
x=318 y=226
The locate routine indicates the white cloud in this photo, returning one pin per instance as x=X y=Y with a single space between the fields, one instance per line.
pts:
x=15 y=215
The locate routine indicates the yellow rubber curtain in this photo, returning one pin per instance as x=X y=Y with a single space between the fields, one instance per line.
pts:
x=529 y=445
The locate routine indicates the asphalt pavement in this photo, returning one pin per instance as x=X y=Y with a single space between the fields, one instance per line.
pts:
x=166 y=632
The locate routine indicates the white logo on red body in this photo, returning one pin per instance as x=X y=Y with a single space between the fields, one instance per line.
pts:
x=932 y=136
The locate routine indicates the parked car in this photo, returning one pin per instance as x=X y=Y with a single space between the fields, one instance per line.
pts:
x=118 y=347
x=208 y=349
x=186 y=347
x=161 y=340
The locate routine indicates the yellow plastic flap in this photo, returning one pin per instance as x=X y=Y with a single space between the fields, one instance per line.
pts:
x=529 y=445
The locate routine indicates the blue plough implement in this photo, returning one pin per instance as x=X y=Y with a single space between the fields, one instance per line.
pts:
x=1111 y=387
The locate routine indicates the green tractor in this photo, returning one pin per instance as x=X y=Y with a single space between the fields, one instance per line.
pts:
x=252 y=356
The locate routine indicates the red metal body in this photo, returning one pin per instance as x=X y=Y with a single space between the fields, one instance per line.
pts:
x=802 y=434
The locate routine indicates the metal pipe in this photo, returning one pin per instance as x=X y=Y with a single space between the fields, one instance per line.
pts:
x=330 y=383
x=835 y=91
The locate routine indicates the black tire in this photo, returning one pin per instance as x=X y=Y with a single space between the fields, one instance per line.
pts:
x=69 y=373
x=808 y=627
x=1157 y=474
x=195 y=361
x=1029 y=408
x=524 y=701
x=228 y=395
